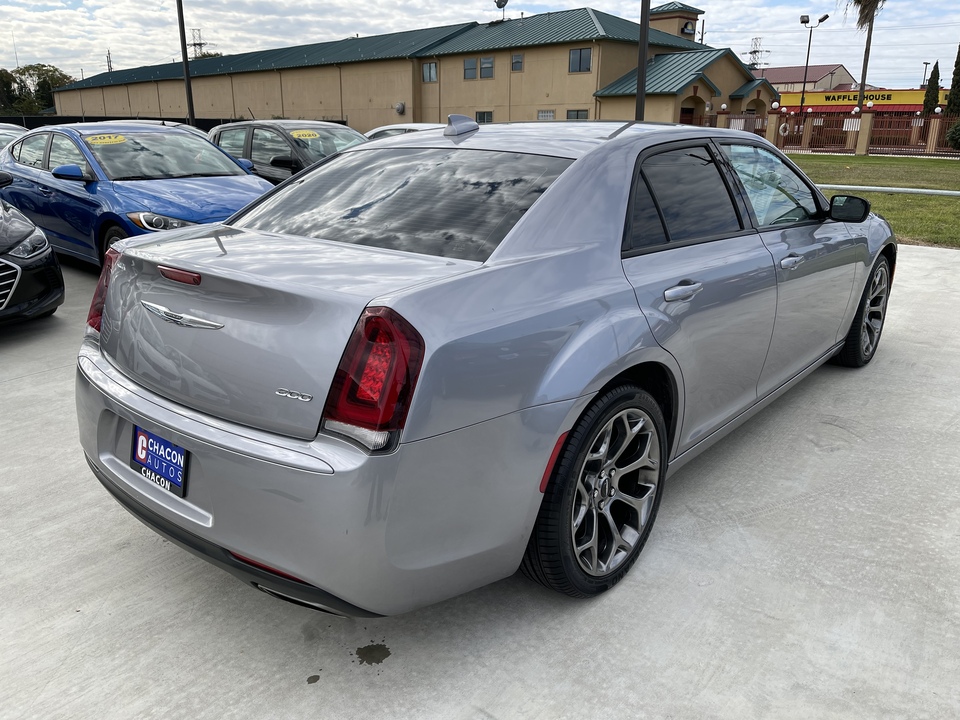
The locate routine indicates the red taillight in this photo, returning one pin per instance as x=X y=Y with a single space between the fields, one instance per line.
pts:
x=266 y=568
x=181 y=276
x=371 y=391
x=95 y=316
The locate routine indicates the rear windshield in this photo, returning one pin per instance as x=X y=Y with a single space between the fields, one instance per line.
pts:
x=450 y=203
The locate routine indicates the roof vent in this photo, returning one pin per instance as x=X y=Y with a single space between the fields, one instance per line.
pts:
x=459 y=125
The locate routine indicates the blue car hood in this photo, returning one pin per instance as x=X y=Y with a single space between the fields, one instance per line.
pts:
x=198 y=200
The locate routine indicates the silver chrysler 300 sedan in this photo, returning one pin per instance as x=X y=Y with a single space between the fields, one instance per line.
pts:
x=433 y=359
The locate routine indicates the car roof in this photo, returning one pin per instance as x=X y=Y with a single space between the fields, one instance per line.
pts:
x=561 y=139
x=406 y=126
x=113 y=126
x=284 y=124
x=12 y=126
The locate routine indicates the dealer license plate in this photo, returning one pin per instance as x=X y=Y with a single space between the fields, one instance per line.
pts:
x=160 y=461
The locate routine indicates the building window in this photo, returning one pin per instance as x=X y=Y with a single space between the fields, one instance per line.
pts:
x=430 y=72
x=546 y=114
x=470 y=69
x=484 y=116
x=580 y=60
x=516 y=62
x=486 y=67
x=577 y=114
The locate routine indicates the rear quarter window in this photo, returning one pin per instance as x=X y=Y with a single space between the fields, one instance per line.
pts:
x=449 y=203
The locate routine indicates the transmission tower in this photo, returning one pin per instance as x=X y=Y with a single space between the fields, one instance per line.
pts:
x=109 y=61
x=198 y=44
x=757 y=54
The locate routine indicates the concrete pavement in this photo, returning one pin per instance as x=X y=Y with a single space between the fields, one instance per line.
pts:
x=806 y=567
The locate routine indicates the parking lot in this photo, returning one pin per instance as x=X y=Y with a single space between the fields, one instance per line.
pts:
x=806 y=567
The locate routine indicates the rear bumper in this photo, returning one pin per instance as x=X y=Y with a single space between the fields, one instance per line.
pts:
x=367 y=534
x=300 y=593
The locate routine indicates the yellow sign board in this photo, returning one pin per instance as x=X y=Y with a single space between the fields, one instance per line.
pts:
x=850 y=97
x=305 y=134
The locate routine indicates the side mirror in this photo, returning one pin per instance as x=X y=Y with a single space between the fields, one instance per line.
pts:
x=5 y=179
x=70 y=172
x=849 y=208
x=245 y=164
x=284 y=161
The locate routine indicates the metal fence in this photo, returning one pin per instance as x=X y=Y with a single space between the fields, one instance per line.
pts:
x=756 y=124
x=817 y=132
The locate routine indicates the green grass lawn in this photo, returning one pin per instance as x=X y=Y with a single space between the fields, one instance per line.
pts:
x=919 y=219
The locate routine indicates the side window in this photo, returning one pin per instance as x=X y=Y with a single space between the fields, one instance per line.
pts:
x=778 y=195
x=516 y=62
x=646 y=227
x=429 y=72
x=64 y=152
x=232 y=140
x=484 y=116
x=691 y=194
x=577 y=114
x=267 y=145
x=31 y=150
x=470 y=69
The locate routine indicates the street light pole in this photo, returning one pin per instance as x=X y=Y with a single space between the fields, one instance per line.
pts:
x=191 y=120
x=924 y=82
x=642 y=59
x=805 y=21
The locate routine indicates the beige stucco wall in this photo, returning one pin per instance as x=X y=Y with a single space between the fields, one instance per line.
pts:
x=116 y=101
x=372 y=89
x=257 y=94
x=212 y=96
x=312 y=93
x=657 y=108
x=145 y=99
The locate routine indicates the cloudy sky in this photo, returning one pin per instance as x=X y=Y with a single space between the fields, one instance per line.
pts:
x=76 y=34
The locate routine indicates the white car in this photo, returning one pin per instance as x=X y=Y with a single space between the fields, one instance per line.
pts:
x=401 y=128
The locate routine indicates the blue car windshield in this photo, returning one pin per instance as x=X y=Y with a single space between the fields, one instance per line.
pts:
x=449 y=203
x=158 y=156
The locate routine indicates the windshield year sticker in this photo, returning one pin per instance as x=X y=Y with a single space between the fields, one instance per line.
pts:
x=305 y=134
x=106 y=139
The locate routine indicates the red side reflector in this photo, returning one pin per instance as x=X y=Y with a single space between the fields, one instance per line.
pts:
x=181 y=276
x=553 y=461
x=266 y=568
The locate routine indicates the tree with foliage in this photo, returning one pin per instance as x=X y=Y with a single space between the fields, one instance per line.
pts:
x=35 y=84
x=953 y=99
x=953 y=136
x=866 y=13
x=931 y=98
x=9 y=96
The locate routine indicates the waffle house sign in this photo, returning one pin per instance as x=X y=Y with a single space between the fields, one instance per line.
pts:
x=883 y=100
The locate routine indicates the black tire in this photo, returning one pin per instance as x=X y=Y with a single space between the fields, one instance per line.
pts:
x=864 y=335
x=114 y=234
x=580 y=487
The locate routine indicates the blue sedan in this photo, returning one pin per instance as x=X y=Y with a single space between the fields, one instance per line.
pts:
x=88 y=185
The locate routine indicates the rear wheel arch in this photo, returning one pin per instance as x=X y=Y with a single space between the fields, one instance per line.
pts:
x=659 y=381
x=890 y=252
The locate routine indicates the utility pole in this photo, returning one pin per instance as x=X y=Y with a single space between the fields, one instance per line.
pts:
x=191 y=120
x=109 y=61
x=923 y=83
x=642 y=58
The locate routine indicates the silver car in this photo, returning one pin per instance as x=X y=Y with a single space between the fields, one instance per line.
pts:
x=439 y=357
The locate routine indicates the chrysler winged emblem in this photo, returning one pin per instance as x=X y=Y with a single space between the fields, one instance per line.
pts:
x=179 y=319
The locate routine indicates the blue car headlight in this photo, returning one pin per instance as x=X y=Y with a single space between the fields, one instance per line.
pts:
x=154 y=222
x=35 y=244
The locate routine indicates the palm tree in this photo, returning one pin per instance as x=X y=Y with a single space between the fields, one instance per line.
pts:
x=866 y=13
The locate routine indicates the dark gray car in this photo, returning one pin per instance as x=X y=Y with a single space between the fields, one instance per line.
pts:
x=281 y=148
x=440 y=357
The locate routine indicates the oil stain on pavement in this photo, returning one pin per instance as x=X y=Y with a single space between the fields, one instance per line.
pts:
x=373 y=654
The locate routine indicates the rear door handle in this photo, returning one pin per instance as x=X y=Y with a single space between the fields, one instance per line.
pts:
x=684 y=291
x=791 y=261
